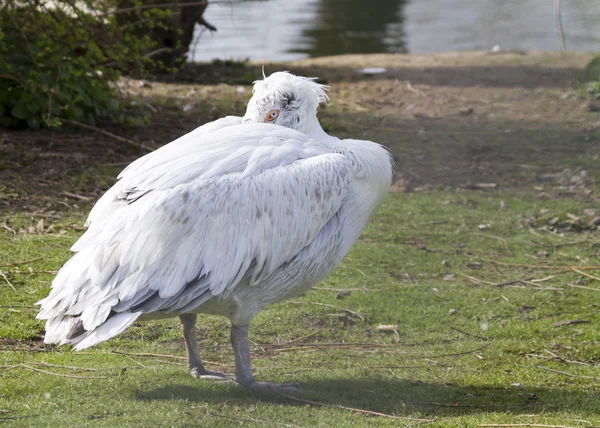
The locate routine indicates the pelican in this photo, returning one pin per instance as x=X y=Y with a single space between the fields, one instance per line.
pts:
x=233 y=216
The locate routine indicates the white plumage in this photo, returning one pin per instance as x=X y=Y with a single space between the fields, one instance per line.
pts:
x=227 y=219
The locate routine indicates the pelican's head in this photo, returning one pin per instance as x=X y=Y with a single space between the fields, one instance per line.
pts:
x=286 y=100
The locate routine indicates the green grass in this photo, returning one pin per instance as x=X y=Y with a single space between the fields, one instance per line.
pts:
x=469 y=352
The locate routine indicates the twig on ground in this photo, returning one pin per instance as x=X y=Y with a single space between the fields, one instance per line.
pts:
x=21 y=263
x=564 y=360
x=85 y=369
x=579 y=320
x=476 y=280
x=5 y=226
x=584 y=274
x=302 y=338
x=8 y=418
x=76 y=196
x=516 y=281
x=567 y=374
x=469 y=334
x=176 y=357
x=570 y=322
x=548 y=278
x=349 y=311
x=352 y=409
x=110 y=134
x=557 y=357
x=25 y=366
x=7 y=281
x=134 y=361
x=584 y=287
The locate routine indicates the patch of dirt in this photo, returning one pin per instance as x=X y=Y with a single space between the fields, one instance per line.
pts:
x=31 y=345
x=461 y=120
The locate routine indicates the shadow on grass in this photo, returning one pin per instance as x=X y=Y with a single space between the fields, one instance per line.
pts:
x=394 y=397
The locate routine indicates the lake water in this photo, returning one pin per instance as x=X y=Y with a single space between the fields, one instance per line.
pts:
x=292 y=29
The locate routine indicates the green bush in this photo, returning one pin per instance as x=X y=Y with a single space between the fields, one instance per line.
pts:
x=592 y=78
x=60 y=63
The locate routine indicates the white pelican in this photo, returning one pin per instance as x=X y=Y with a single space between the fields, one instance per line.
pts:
x=235 y=215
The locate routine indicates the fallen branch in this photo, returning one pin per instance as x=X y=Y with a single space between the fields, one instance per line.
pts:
x=157 y=6
x=352 y=409
x=110 y=134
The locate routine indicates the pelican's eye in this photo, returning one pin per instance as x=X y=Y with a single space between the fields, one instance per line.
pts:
x=272 y=115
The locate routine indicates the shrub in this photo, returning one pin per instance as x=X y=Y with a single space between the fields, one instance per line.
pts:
x=592 y=77
x=59 y=59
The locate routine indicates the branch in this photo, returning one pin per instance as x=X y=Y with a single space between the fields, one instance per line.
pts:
x=160 y=6
x=110 y=134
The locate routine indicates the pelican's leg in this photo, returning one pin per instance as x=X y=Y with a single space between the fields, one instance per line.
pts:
x=188 y=328
x=243 y=364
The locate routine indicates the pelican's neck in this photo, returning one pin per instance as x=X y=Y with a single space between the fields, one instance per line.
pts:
x=314 y=130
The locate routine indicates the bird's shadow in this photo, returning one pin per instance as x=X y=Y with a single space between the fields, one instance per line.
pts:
x=397 y=396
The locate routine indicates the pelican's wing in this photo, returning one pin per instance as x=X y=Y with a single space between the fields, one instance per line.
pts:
x=243 y=204
x=178 y=148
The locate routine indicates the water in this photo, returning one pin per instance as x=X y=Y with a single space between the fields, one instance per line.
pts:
x=293 y=29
